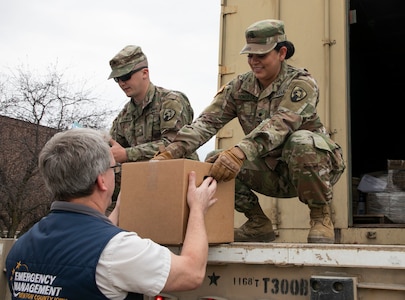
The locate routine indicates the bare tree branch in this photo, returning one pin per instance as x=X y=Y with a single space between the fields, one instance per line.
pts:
x=33 y=107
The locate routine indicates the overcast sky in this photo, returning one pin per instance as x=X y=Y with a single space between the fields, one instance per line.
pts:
x=179 y=37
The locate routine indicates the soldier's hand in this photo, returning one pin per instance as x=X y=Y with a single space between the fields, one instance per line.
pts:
x=213 y=158
x=171 y=151
x=162 y=155
x=119 y=152
x=228 y=164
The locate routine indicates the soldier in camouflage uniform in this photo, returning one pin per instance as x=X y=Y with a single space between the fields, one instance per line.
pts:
x=286 y=151
x=153 y=115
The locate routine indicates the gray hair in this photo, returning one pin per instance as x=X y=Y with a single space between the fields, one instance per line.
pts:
x=71 y=161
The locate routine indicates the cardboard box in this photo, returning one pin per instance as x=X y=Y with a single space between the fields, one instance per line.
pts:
x=395 y=164
x=154 y=204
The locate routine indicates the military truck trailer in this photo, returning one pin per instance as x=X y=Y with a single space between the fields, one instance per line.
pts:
x=355 y=50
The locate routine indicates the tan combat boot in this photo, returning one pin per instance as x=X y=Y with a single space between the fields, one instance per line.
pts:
x=322 y=230
x=257 y=228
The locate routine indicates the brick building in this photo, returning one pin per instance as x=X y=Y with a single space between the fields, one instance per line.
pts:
x=23 y=196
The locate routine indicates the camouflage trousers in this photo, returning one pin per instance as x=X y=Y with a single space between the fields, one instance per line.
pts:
x=307 y=165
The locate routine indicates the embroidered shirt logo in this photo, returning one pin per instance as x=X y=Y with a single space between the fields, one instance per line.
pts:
x=298 y=94
x=168 y=114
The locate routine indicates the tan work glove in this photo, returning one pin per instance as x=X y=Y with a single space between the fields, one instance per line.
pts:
x=162 y=154
x=227 y=164
x=213 y=158
x=172 y=151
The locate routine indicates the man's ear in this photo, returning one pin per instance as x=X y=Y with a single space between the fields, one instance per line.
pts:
x=100 y=182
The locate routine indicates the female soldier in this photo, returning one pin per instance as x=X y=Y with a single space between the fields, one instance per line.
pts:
x=286 y=151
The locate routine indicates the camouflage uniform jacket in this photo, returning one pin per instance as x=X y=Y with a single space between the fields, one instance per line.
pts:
x=142 y=128
x=267 y=116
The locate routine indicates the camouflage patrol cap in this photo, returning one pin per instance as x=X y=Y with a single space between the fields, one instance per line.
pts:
x=128 y=59
x=263 y=36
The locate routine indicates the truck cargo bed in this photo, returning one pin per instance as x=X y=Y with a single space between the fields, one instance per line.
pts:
x=302 y=271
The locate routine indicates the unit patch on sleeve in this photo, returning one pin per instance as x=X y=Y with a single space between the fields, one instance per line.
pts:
x=297 y=94
x=168 y=114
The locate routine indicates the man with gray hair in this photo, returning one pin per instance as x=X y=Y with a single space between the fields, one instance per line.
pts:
x=76 y=252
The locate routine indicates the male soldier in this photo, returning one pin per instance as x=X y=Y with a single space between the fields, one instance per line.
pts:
x=153 y=114
x=286 y=151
